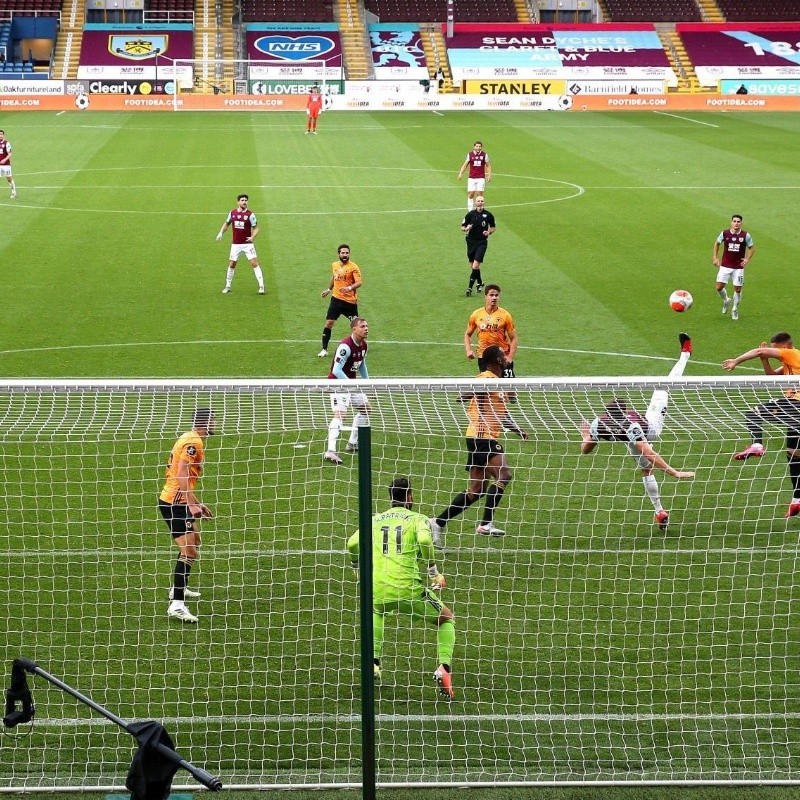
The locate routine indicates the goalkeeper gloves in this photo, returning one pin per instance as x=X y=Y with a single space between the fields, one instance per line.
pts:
x=437 y=579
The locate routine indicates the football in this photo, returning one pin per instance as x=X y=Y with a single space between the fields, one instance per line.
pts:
x=680 y=300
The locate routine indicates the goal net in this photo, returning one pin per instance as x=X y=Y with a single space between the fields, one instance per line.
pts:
x=591 y=646
x=211 y=77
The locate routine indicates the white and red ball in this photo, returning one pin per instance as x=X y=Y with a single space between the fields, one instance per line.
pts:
x=680 y=300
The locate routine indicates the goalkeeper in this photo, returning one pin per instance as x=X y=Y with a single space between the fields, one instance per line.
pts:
x=400 y=539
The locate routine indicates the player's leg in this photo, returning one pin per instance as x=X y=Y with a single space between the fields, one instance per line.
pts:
x=232 y=259
x=793 y=457
x=738 y=283
x=657 y=410
x=330 y=319
x=723 y=276
x=339 y=404
x=463 y=500
x=431 y=609
x=479 y=253
x=498 y=477
x=11 y=183
x=778 y=412
x=188 y=544
x=257 y=272
x=378 y=617
x=473 y=275
x=361 y=419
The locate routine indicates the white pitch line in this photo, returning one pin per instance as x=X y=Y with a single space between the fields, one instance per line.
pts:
x=425 y=719
x=392 y=343
x=686 y=119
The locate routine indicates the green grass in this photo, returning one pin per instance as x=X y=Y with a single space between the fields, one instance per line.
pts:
x=589 y=648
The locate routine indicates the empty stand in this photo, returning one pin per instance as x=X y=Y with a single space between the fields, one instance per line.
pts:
x=436 y=10
x=38 y=8
x=287 y=10
x=170 y=10
x=654 y=11
x=762 y=11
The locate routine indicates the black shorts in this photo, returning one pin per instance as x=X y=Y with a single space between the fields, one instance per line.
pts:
x=338 y=308
x=784 y=411
x=508 y=370
x=476 y=250
x=177 y=517
x=481 y=451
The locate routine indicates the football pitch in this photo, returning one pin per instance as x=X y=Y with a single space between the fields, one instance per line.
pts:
x=589 y=647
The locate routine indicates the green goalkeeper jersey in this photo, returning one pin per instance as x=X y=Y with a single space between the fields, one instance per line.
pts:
x=400 y=540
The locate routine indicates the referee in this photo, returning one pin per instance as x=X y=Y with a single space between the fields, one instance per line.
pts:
x=479 y=225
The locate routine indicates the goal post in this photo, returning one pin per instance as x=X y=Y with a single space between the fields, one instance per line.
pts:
x=211 y=77
x=591 y=646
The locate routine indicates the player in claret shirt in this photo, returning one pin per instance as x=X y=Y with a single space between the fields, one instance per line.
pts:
x=5 y=163
x=349 y=363
x=244 y=225
x=737 y=252
x=480 y=173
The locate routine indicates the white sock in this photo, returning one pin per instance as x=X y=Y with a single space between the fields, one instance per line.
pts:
x=723 y=294
x=334 y=427
x=470 y=204
x=229 y=276
x=736 y=299
x=360 y=419
x=259 y=276
x=13 y=186
x=680 y=366
x=651 y=489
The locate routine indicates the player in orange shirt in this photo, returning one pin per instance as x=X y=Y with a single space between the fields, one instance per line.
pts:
x=181 y=508
x=494 y=326
x=313 y=109
x=489 y=472
x=343 y=288
x=784 y=411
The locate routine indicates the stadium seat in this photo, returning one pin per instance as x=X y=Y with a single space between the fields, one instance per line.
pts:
x=763 y=11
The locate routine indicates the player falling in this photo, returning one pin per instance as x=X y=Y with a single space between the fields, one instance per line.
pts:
x=622 y=424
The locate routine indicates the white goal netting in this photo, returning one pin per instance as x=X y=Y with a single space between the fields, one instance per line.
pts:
x=591 y=645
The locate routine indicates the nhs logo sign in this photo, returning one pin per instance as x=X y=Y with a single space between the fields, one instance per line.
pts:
x=294 y=48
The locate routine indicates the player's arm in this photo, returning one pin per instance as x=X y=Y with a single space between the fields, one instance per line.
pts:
x=513 y=343
x=471 y=328
x=715 y=251
x=463 y=167
x=427 y=554
x=646 y=449
x=587 y=442
x=224 y=228
x=326 y=292
x=510 y=424
x=356 y=282
x=762 y=352
x=488 y=169
x=748 y=257
x=339 y=360
x=352 y=550
x=196 y=508
x=253 y=233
